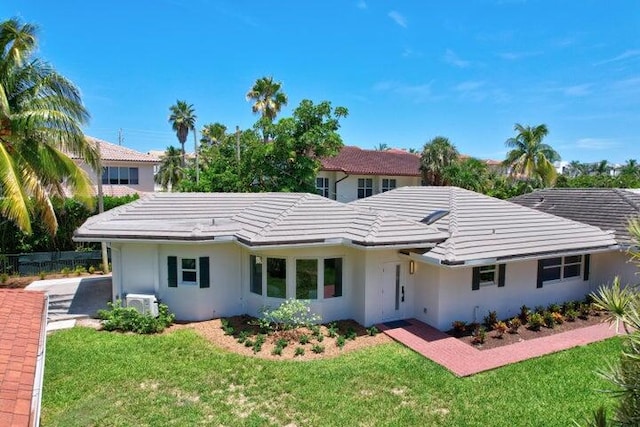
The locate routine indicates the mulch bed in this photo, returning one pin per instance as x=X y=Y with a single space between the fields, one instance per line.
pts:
x=21 y=282
x=525 y=334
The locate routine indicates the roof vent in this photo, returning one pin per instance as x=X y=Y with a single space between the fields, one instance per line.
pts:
x=434 y=216
x=213 y=221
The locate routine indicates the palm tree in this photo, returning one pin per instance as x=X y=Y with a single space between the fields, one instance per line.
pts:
x=577 y=168
x=630 y=168
x=268 y=99
x=471 y=173
x=170 y=172
x=213 y=133
x=437 y=155
x=601 y=168
x=530 y=157
x=382 y=147
x=182 y=119
x=40 y=118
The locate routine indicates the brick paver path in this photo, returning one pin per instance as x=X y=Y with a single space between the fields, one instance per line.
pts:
x=463 y=359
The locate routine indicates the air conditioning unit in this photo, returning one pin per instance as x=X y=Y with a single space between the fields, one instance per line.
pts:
x=145 y=304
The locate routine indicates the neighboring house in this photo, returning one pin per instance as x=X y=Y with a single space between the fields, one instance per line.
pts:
x=125 y=171
x=434 y=253
x=23 y=321
x=606 y=208
x=356 y=173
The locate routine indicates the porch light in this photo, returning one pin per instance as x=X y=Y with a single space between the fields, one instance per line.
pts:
x=412 y=267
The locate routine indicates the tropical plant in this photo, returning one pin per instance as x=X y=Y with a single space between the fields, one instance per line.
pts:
x=529 y=157
x=183 y=120
x=170 y=172
x=213 y=133
x=437 y=155
x=41 y=115
x=382 y=147
x=616 y=301
x=600 y=168
x=470 y=173
x=268 y=98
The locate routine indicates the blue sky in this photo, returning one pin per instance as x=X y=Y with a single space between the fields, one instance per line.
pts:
x=406 y=70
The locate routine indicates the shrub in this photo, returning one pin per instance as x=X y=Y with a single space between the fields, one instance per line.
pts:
x=340 y=341
x=351 y=334
x=459 y=326
x=65 y=272
x=92 y=269
x=249 y=343
x=42 y=275
x=514 y=324
x=571 y=315
x=282 y=343
x=585 y=310
x=299 y=351
x=549 y=320
x=538 y=309
x=277 y=351
x=257 y=345
x=535 y=321
x=317 y=348
x=557 y=318
x=554 y=308
x=304 y=339
x=224 y=322
x=315 y=330
x=228 y=330
x=569 y=305
x=80 y=270
x=291 y=314
x=524 y=314
x=372 y=331
x=128 y=319
x=3 y=278
x=332 y=329
x=500 y=328
x=479 y=335
x=319 y=337
x=491 y=319
x=242 y=336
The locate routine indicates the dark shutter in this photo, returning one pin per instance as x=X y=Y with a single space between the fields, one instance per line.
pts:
x=501 y=273
x=172 y=271
x=475 y=282
x=587 y=262
x=540 y=271
x=204 y=272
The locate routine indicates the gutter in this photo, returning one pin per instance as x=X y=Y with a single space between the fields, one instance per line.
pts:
x=36 y=397
x=335 y=184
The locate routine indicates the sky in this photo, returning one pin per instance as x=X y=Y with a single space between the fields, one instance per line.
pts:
x=406 y=70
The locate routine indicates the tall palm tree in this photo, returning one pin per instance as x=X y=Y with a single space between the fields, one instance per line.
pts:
x=630 y=168
x=268 y=98
x=601 y=168
x=170 y=172
x=41 y=113
x=182 y=119
x=577 y=168
x=437 y=155
x=213 y=133
x=530 y=157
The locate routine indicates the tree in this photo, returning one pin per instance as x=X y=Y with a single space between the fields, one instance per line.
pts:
x=631 y=169
x=170 y=172
x=576 y=168
x=436 y=156
x=530 y=157
x=268 y=98
x=600 y=168
x=382 y=147
x=182 y=119
x=213 y=133
x=41 y=115
x=471 y=173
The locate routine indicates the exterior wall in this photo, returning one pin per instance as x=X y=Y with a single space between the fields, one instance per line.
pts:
x=145 y=178
x=606 y=266
x=426 y=301
x=347 y=189
x=458 y=302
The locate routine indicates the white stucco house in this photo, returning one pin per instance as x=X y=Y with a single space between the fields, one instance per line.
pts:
x=125 y=171
x=437 y=254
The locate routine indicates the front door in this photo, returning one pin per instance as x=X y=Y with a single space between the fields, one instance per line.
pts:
x=393 y=291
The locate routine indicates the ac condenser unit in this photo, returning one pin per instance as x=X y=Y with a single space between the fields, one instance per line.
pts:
x=145 y=304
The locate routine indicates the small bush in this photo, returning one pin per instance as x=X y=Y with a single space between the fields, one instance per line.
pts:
x=479 y=335
x=569 y=305
x=351 y=334
x=3 y=278
x=224 y=322
x=524 y=314
x=332 y=330
x=340 y=341
x=242 y=336
x=42 y=275
x=257 y=346
x=549 y=320
x=299 y=351
x=304 y=339
x=317 y=348
x=554 y=308
x=514 y=324
x=128 y=319
x=291 y=314
x=535 y=321
x=315 y=329
x=539 y=309
x=80 y=270
x=228 y=330
x=571 y=315
x=65 y=272
x=491 y=319
x=459 y=326
x=500 y=328
x=282 y=343
x=558 y=318
x=372 y=331
x=319 y=337
x=585 y=310
x=249 y=343
x=277 y=351
x=92 y=269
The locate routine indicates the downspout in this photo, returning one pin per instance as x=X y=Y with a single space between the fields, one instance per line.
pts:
x=36 y=397
x=335 y=185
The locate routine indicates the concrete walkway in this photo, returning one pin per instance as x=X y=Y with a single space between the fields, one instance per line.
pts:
x=73 y=298
x=464 y=360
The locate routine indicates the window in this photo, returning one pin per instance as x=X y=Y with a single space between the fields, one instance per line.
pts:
x=488 y=275
x=332 y=277
x=322 y=186
x=365 y=187
x=188 y=271
x=306 y=278
x=255 y=275
x=119 y=175
x=388 y=184
x=277 y=277
x=561 y=268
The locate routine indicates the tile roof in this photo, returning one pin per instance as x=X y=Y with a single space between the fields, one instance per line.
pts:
x=113 y=152
x=254 y=219
x=606 y=208
x=482 y=227
x=22 y=325
x=355 y=160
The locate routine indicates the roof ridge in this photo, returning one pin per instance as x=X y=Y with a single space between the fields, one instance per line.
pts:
x=625 y=195
x=281 y=215
x=453 y=223
x=375 y=226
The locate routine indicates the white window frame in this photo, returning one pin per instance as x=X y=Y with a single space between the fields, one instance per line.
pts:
x=562 y=266
x=390 y=184
x=367 y=186
x=323 y=189
x=181 y=270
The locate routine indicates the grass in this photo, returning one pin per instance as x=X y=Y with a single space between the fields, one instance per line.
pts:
x=106 y=379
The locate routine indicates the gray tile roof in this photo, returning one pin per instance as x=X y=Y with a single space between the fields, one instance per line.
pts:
x=254 y=219
x=482 y=227
x=606 y=208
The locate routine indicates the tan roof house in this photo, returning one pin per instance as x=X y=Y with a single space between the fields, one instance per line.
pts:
x=434 y=253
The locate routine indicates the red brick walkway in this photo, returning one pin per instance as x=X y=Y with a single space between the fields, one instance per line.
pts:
x=463 y=359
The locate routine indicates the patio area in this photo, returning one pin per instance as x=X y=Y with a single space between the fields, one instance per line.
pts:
x=464 y=360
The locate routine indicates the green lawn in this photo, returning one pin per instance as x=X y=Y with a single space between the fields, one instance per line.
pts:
x=108 y=379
